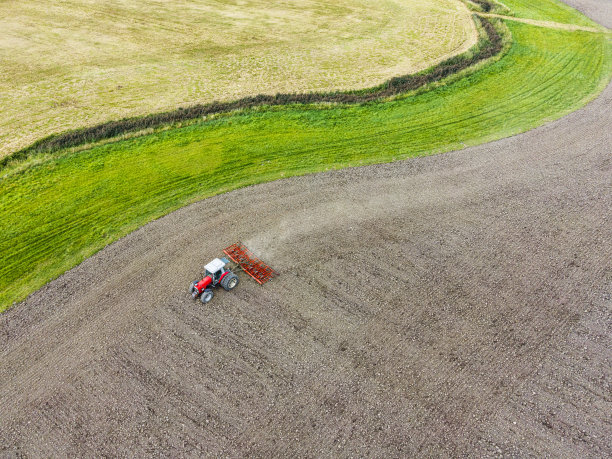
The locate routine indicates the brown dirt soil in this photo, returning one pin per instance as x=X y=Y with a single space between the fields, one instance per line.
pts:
x=459 y=304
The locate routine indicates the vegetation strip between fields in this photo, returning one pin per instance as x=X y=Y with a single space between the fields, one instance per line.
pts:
x=489 y=45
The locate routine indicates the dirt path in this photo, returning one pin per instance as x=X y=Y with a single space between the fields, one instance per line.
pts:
x=549 y=24
x=456 y=304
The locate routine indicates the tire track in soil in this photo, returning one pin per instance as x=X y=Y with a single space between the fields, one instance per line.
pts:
x=446 y=305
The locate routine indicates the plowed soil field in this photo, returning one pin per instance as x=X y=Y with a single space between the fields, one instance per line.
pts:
x=458 y=304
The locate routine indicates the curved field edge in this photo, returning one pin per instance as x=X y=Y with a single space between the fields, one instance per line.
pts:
x=490 y=44
x=68 y=207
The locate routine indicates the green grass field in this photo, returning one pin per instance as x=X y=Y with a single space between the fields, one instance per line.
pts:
x=58 y=209
x=76 y=63
x=548 y=10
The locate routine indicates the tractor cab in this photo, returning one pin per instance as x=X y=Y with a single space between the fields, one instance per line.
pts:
x=215 y=274
x=215 y=269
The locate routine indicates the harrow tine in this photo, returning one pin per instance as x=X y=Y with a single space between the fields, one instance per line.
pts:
x=249 y=263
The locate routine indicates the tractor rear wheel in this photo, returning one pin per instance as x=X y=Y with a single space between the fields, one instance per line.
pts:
x=207 y=295
x=230 y=281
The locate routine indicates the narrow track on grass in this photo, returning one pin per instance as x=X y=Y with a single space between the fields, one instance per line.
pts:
x=456 y=304
x=535 y=22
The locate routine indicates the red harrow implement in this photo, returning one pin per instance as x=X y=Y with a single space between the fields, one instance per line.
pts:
x=249 y=263
x=219 y=272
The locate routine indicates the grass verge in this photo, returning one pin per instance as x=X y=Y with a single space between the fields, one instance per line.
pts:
x=62 y=208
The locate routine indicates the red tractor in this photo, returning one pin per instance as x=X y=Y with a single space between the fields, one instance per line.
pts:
x=218 y=273
x=215 y=274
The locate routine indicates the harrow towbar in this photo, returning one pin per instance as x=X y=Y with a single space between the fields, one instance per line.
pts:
x=249 y=263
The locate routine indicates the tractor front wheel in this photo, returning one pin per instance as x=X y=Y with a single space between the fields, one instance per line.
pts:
x=207 y=295
x=229 y=282
x=193 y=291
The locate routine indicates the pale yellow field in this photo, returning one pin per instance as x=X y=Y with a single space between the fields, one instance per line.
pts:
x=73 y=63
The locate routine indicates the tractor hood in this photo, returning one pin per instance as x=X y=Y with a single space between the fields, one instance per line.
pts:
x=201 y=286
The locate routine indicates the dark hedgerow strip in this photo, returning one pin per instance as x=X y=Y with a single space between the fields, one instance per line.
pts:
x=486 y=6
x=487 y=47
